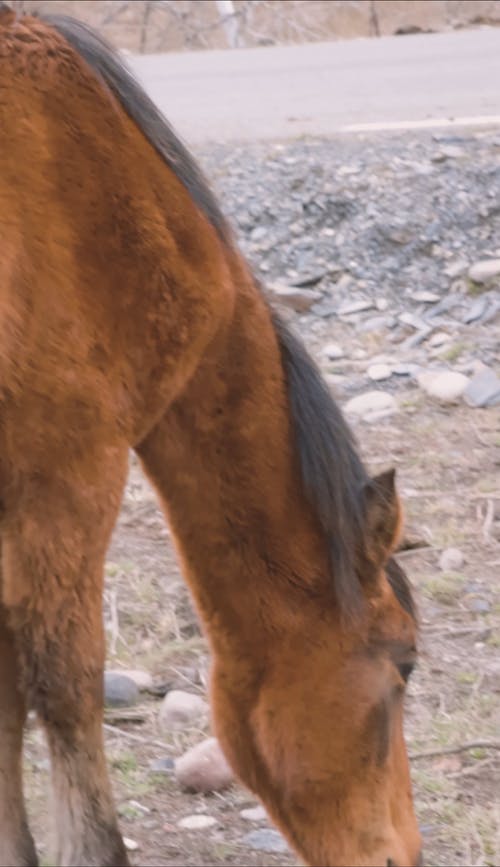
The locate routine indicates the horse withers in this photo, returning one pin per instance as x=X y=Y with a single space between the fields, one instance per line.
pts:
x=128 y=319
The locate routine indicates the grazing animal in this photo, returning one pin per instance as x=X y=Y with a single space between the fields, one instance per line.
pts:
x=128 y=319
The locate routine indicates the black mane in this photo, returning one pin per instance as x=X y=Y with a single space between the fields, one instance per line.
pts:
x=333 y=474
x=105 y=61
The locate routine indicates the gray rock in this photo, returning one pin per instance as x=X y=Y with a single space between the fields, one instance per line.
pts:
x=483 y=389
x=119 y=690
x=456 y=268
x=181 y=709
x=424 y=297
x=446 y=386
x=484 y=271
x=418 y=338
x=407 y=318
x=454 y=299
x=259 y=233
x=142 y=679
x=451 y=560
x=164 y=765
x=448 y=152
x=204 y=768
x=299 y=300
x=476 y=310
x=376 y=323
x=325 y=308
x=406 y=369
x=491 y=311
x=266 y=840
x=350 y=307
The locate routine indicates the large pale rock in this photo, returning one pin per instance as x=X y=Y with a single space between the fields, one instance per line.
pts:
x=204 y=768
x=378 y=372
x=179 y=710
x=485 y=270
x=446 y=386
x=371 y=405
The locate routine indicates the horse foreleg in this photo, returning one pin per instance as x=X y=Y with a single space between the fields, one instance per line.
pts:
x=16 y=843
x=53 y=565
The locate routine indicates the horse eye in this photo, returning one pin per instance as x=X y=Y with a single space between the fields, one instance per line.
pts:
x=405 y=669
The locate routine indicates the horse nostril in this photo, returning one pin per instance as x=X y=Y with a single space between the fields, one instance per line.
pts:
x=390 y=863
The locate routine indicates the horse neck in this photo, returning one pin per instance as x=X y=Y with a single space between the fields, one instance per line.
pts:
x=225 y=464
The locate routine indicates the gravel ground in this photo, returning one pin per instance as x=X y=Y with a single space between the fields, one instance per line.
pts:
x=397 y=214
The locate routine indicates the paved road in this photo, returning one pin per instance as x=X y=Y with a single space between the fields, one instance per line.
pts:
x=324 y=88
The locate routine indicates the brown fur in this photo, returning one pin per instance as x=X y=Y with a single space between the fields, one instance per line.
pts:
x=129 y=319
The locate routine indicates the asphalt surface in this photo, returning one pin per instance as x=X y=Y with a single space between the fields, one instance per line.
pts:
x=328 y=88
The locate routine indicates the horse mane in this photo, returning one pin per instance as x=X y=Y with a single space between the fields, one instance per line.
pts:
x=332 y=472
x=106 y=62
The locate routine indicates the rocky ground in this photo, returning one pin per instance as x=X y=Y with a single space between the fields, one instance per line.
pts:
x=385 y=253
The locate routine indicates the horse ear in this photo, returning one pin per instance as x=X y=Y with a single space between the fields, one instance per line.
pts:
x=383 y=517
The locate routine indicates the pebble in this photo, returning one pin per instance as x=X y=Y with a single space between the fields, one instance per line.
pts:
x=456 y=268
x=204 y=768
x=376 y=323
x=254 y=814
x=425 y=297
x=406 y=369
x=130 y=845
x=197 y=822
x=439 y=338
x=354 y=307
x=476 y=310
x=266 y=840
x=181 y=709
x=142 y=679
x=370 y=404
x=299 y=300
x=451 y=560
x=119 y=690
x=333 y=351
x=164 y=765
x=446 y=386
x=408 y=318
x=484 y=271
x=483 y=389
x=378 y=372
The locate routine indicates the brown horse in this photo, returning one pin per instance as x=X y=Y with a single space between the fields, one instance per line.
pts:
x=128 y=318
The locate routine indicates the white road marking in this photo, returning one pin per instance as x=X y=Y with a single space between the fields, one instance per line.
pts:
x=428 y=123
